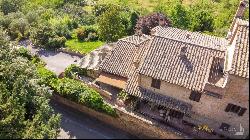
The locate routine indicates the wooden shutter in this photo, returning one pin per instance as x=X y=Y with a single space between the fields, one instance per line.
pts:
x=236 y=109
x=195 y=96
x=198 y=96
x=228 y=108
x=156 y=83
x=224 y=126
x=242 y=111
x=192 y=95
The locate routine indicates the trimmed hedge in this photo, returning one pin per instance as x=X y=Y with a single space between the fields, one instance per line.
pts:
x=77 y=92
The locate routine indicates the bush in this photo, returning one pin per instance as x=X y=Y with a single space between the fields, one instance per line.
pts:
x=123 y=95
x=57 y=42
x=92 y=37
x=86 y=33
x=37 y=61
x=81 y=33
x=46 y=75
x=73 y=70
x=77 y=92
x=24 y=53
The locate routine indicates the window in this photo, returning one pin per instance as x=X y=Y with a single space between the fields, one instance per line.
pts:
x=176 y=114
x=242 y=111
x=224 y=126
x=216 y=95
x=195 y=96
x=156 y=83
x=235 y=109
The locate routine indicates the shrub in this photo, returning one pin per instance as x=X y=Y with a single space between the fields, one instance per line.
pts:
x=46 y=75
x=57 y=42
x=109 y=110
x=81 y=33
x=123 y=95
x=77 y=92
x=73 y=70
x=24 y=53
x=37 y=61
x=92 y=37
x=86 y=33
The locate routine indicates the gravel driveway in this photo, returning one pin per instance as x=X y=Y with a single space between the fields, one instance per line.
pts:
x=56 y=61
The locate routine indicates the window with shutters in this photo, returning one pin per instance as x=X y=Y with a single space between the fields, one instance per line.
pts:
x=235 y=109
x=156 y=83
x=176 y=114
x=224 y=126
x=195 y=96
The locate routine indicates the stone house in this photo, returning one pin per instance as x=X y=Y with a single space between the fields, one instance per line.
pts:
x=192 y=79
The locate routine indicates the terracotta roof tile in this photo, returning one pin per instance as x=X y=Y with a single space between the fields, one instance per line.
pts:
x=195 y=38
x=240 y=65
x=165 y=62
x=120 y=61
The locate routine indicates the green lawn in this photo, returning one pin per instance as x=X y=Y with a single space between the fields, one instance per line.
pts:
x=82 y=47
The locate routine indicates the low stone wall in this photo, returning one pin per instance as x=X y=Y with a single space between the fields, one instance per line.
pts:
x=128 y=122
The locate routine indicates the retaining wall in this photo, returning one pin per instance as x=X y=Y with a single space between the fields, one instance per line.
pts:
x=128 y=122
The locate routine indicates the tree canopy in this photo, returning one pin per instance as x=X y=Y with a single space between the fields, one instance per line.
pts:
x=24 y=103
x=111 y=26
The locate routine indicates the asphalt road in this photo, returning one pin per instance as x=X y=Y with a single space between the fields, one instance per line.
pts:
x=76 y=125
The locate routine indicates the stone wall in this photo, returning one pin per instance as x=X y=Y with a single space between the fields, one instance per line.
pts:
x=211 y=110
x=128 y=122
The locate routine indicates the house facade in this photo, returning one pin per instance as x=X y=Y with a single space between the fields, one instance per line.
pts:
x=188 y=79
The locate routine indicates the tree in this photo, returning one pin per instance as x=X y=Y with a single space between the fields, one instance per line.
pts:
x=179 y=16
x=111 y=26
x=24 y=103
x=201 y=18
x=133 y=20
x=146 y=23
x=19 y=28
x=40 y=36
x=8 y=6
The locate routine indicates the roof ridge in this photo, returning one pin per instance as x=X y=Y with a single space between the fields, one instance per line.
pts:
x=209 y=47
x=146 y=37
x=192 y=43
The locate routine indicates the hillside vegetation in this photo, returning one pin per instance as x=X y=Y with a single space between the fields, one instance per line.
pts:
x=50 y=24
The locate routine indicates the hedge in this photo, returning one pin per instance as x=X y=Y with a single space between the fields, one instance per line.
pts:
x=77 y=92
x=45 y=75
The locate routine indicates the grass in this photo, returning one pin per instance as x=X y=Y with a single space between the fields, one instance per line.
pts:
x=81 y=46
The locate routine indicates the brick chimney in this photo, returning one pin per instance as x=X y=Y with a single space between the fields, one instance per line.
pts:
x=239 y=13
x=241 y=9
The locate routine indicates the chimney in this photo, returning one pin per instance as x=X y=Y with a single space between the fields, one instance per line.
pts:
x=239 y=13
x=241 y=9
x=162 y=22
